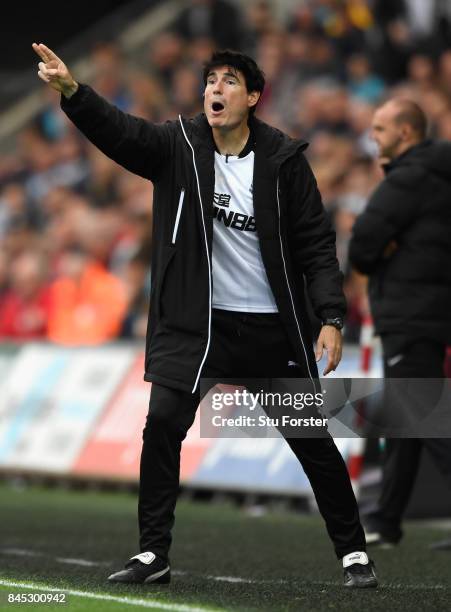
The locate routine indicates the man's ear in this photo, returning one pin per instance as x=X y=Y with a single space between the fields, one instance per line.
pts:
x=253 y=98
x=406 y=131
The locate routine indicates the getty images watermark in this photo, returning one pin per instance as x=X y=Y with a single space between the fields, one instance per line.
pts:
x=242 y=398
x=340 y=407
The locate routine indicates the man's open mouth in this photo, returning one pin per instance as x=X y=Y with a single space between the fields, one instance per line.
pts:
x=217 y=107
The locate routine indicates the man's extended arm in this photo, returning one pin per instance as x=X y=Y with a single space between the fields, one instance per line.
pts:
x=138 y=145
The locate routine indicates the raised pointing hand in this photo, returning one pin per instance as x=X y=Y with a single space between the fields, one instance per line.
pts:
x=53 y=70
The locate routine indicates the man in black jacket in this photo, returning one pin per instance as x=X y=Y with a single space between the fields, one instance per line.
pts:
x=402 y=241
x=226 y=301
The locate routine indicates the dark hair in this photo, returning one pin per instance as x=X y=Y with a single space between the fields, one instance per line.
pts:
x=412 y=114
x=254 y=77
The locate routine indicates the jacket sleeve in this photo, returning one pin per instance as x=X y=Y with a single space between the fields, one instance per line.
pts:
x=312 y=244
x=136 y=144
x=388 y=213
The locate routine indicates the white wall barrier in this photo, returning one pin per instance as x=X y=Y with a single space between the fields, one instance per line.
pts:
x=80 y=412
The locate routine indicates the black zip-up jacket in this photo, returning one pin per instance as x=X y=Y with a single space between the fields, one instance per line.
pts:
x=296 y=239
x=410 y=292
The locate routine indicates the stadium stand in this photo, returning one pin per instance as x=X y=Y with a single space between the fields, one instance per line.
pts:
x=325 y=76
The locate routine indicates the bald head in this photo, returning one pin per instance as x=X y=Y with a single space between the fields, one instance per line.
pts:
x=397 y=126
x=408 y=112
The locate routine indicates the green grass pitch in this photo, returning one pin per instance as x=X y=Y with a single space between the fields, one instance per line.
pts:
x=222 y=559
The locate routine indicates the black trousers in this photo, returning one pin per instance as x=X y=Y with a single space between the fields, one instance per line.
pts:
x=417 y=359
x=242 y=345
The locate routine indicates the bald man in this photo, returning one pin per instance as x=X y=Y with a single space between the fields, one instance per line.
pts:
x=402 y=242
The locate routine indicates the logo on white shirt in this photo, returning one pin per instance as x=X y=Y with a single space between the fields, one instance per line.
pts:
x=232 y=219
x=221 y=199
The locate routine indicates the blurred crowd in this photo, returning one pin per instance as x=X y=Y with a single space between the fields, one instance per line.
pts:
x=75 y=229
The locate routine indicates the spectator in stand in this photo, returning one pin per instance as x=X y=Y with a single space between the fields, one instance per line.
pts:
x=51 y=164
x=149 y=98
x=362 y=82
x=199 y=50
x=270 y=54
x=186 y=91
x=88 y=304
x=216 y=19
x=165 y=54
x=14 y=207
x=24 y=308
x=108 y=63
x=103 y=179
x=100 y=232
x=50 y=123
x=345 y=23
x=391 y=42
x=259 y=20
x=335 y=110
x=64 y=227
x=40 y=159
x=19 y=238
x=421 y=72
x=429 y=23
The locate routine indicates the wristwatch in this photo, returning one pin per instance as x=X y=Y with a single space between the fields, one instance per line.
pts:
x=336 y=322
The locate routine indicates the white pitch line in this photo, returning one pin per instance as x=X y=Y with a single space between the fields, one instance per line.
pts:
x=82 y=562
x=144 y=603
x=231 y=579
x=21 y=552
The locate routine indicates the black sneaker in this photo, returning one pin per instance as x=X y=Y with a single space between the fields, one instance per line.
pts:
x=359 y=571
x=144 y=568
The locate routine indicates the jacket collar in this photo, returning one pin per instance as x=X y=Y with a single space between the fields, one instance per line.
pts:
x=270 y=143
x=273 y=144
x=406 y=157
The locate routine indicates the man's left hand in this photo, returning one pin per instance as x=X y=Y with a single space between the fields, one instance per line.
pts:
x=330 y=340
